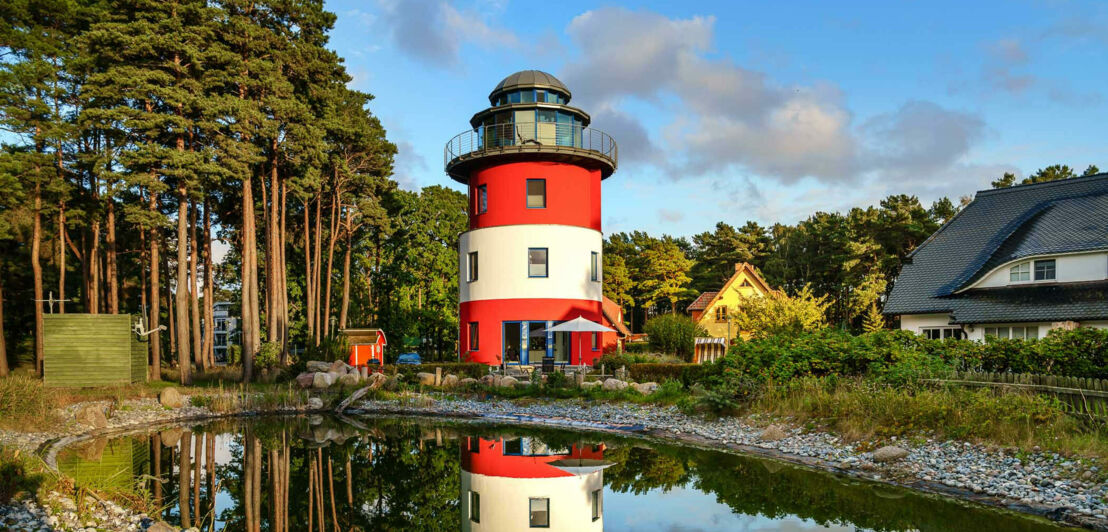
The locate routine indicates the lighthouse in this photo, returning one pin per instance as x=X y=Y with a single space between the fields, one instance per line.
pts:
x=532 y=257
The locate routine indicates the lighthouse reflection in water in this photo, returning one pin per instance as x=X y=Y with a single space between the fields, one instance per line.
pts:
x=518 y=483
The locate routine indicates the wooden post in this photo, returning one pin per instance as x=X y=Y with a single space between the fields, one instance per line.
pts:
x=438 y=376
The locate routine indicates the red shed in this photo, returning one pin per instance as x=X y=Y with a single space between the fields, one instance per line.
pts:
x=366 y=345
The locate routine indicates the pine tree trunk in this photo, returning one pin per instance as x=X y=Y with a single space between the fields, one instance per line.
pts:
x=309 y=296
x=250 y=319
x=209 y=288
x=3 y=343
x=330 y=260
x=36 y=272
x=319 y=326
x=112 y=267
x=92 y=258
x=61 y=258
x=170 y=309
x=183 y=471
x=282 y=274
x=155 y=266
x=184 y=355
x=194 y=292
x=346 y=269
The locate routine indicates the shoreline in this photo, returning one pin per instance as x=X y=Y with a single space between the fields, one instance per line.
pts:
x=1047 y=485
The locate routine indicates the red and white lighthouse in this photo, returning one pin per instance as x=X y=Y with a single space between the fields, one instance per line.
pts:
x=533 y=253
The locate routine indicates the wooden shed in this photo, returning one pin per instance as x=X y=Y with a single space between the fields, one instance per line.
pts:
x=365 y=345
x=92 y=350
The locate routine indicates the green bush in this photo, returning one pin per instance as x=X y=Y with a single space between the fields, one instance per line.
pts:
x=268 y=356
x=475 y=370
x=637 y=347
x=685 y=374
x=673 y=334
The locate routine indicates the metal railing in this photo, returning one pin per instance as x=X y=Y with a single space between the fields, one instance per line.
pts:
x=526 y=136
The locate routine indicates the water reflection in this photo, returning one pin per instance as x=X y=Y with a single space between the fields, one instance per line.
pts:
x=342 y=474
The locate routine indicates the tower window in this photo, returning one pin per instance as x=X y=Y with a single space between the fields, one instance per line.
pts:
x=536 y=193
x=596 y=504
x=472 y=267
x=540 y=512
x=482 y=199
x=473 y=338
x=595 y=341
x=537 y=262
x=1044 y=270
x=594 y=268
x=474 y=506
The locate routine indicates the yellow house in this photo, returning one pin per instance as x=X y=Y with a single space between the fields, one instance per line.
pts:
x=712 y=310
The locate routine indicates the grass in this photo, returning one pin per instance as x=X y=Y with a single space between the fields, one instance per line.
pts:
x=859 y=410
x=25 y=404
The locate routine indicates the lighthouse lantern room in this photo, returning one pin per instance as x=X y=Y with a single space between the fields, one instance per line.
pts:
x=532 y=257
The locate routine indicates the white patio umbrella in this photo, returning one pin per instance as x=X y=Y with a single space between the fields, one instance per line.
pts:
x=581 y=466
x=579 y=325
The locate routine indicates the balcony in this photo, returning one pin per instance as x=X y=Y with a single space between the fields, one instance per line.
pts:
x=566 y=142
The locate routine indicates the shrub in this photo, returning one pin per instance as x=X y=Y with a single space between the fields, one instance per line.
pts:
x=684 y=374
x=637 y=347
x=778 y=314
x=475 y=370
x=268 y=356
x=673 y=334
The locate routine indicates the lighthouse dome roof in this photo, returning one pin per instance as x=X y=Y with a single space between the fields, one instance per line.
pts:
x=530 y=79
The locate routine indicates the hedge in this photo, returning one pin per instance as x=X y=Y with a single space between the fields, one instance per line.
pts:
x=461 y=369
x=686 y=374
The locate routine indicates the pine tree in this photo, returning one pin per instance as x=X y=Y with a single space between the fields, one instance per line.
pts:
x=873 y=320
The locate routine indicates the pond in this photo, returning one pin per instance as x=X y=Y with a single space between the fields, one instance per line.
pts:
x=321 y=473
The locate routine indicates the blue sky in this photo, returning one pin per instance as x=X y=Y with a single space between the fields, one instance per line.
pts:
x=735 y=111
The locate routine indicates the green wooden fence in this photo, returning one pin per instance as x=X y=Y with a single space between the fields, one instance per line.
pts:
x=1080 y=396
x=91 y=350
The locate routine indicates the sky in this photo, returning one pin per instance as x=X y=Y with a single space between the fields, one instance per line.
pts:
x=764 y=111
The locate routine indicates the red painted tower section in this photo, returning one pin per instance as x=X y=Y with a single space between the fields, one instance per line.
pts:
x=532 y=257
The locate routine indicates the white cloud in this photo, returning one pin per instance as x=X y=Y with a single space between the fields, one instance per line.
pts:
x=435 y=31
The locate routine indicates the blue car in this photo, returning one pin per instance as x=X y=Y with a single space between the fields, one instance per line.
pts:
x=409 y=358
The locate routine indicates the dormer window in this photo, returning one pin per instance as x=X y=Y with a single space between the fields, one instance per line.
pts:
x=1045 y=270
x=1020 y=272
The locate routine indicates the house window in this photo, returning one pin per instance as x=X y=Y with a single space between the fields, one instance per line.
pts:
x=540 y=512
x=536 y=262
x=473 y=338
x=595 y=341
x=536 y=193
x=482 y=199
x=1015 y=333
x=475 y=507
x=596 y=504
x=940 y=333
x=474 y=444
x=1020 y=272
x=471 y=273
x=594 y=266
x=1044 y=270
x=721 y=313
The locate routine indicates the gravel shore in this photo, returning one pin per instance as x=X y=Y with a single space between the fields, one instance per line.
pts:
x=1066 y=490
x=1038 y=482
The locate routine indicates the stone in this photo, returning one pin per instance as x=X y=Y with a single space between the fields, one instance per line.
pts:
x=646 y=388
x=170 y=398
x=588 y=385
x=773 y=433
x=161 y=526
x=92 y=416
x=450 y=381
x=467 y=382
x=170 y=437
x=348 y=379
x=314 y=403
x=337 y=366
x=425 y=379
x=507 y=382
x=489 y=380
x=377 y=380
x=423 y=401
x=394 y=382
x=315 y=366
x=305 y=380
x=322 y=380
x=889 y=453
x=614 y=385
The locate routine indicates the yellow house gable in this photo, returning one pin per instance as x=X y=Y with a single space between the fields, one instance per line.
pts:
x=716 y=316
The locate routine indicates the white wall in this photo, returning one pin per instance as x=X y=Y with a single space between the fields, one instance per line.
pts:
x=505 y=501
x=1069 y=268
x=913 y=322
x=502 y=263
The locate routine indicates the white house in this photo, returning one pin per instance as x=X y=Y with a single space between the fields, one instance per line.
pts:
x=1014 y=263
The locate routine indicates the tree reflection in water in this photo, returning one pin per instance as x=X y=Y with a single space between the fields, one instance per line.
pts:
x=323 y=474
